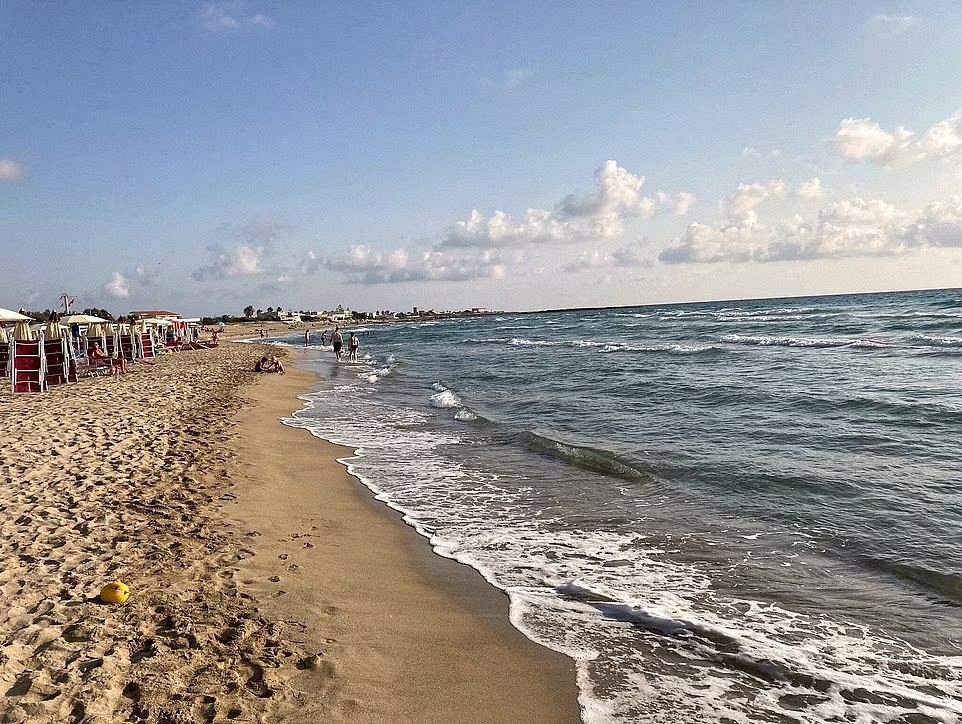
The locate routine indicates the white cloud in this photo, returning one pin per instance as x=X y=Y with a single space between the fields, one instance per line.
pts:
x=11 y=170
x=233 y=16
x=682 y=204
x=943 y=139
x=516 y=76
x=588 y=260
x=741 y=207
x=888 y=26
x=243 y=254
x=511 y=78
x=848 y=228
x=703 y=243
x=365 y=265
x=631 y=255
x=578 y=217
x=861 y=139
x=938 y=224
x=811 y=189
x=118 y=286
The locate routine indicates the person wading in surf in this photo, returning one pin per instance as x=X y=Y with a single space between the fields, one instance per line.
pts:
x=352 y=344
x=337 y=340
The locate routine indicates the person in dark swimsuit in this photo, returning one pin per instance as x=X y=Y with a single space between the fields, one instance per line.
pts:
x=337 y=340
x=353 y=343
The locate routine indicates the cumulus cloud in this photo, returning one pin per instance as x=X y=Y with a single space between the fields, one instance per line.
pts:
x=233 y=16
x=118 y=287
x=597 y=214
x=888 y=26
x=244 y=252
x=854 y=227
x=862 y=139
x=365 y=265
x=938 y=224
x=630 y=256
x=845 y=228
x=811 y=189
x=11 y=170
x=588 y=259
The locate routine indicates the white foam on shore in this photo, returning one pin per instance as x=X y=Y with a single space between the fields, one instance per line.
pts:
x=675 y=651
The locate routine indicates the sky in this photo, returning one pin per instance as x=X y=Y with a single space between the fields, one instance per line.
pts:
x=206 y=156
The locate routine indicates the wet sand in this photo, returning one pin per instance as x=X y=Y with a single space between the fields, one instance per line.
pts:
x=179 y=480
x=400 y=635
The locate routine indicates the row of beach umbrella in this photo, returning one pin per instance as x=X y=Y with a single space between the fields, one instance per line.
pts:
x=25 y=328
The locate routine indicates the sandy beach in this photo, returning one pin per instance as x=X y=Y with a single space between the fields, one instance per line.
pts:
x=266 y=585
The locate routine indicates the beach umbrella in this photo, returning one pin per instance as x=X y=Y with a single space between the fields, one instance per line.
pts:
x=81 y=319
x=8 y=315
x=54 y=330
x=22 y=332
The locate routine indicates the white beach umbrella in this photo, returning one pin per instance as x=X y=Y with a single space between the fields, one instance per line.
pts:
x=8 y=315
x=22 y=332
x=54 y=330
x=81 y=319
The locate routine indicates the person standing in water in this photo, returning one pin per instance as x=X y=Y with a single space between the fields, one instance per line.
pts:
x=352 y=344
x=337 y=340
x=307 y=337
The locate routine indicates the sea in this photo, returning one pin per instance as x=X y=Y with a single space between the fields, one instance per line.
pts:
x=741 y=511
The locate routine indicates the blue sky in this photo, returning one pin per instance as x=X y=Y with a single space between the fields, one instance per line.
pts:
x=205 y=156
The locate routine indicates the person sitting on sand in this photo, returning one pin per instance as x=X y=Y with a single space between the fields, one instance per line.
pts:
x=261 y=365
x=276 y=365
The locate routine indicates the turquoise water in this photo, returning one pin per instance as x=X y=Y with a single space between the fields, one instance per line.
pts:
x=725 y=512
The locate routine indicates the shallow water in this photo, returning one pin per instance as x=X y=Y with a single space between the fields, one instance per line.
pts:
x=727 y=512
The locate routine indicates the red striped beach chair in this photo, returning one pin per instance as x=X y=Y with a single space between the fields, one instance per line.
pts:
x=27 y=366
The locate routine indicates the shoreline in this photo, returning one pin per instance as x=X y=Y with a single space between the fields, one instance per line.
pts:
x=396 y=632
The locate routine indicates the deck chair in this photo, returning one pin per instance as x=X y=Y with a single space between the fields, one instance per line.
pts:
x=60 y=366
x=27 y=366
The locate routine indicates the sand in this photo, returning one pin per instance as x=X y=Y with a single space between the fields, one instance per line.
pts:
x=164 y=479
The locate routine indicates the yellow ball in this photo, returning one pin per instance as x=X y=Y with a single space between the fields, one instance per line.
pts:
x=115 y=592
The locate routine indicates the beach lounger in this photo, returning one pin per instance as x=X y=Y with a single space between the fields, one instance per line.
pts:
x=58 y=360
x=147 y=347
x=27 y=366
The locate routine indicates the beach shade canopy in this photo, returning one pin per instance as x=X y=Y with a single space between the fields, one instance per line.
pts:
x=157 y=322
x=81 y=319
x=8 y=315
x=22 y=332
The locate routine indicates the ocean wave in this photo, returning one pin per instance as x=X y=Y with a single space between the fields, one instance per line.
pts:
x=932 y=341
x=587 y=458
x=445 y=400
x=664 y=348
x=465 y=416
x=804 y=342
x=854 y=684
